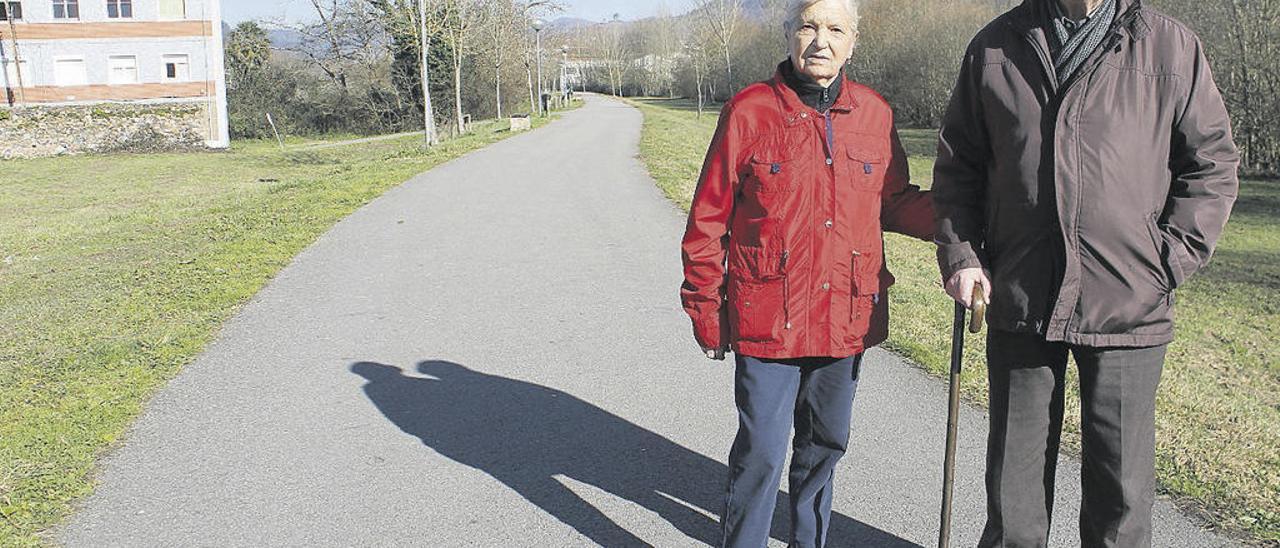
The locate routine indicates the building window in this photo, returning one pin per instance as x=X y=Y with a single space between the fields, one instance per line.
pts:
x=69 y=72
x=122 y=69
x=173 y=9
x=177 y=68
x=66 y=9
x=10 y=11
x=120 y=9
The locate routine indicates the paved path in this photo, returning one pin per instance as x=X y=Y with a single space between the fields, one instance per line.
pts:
x=493 y=355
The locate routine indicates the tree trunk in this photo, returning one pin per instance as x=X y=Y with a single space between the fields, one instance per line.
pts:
x=457 y=91
x=698 y=81
x=428 y=113
x=728 y=69
x=533 y=103
x=497 y=89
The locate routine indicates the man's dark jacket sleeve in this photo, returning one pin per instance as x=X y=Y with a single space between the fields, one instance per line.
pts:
x=1204 y=161
x=960 y=175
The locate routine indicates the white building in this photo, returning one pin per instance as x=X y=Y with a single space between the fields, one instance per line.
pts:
x=69 y=52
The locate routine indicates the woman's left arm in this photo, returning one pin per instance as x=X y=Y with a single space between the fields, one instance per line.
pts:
x=906 y=209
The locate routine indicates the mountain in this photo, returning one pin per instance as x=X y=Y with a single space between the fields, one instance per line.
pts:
x=284 y=38
x=562 y=24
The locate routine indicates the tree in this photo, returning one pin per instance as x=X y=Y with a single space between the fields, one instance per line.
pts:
x=1242 y=40
x=501 y=20
x=611 y=51
x=697 y=57
x=457 y=19
x=910 y=52
x=504 y=27
x=722 y=18
x=248 y=49
x=410 y=27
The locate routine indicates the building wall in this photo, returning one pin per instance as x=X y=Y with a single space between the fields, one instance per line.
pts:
x=40 y=55
x=42 y=40
x=41 y=11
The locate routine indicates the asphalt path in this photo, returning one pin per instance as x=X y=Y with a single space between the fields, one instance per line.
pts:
x=493 y=354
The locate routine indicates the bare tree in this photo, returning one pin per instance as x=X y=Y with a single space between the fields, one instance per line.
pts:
x=500 y=25
x=699 y=56
x=611 y=51
x=505 y=24
x=430 y=136
x=661 y=44
x=722 y=18
x=458 y=20
x=343 y=37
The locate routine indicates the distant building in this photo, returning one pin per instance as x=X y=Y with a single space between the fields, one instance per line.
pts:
x=140 y=53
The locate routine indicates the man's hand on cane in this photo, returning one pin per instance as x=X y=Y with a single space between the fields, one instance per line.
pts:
x=960 y=286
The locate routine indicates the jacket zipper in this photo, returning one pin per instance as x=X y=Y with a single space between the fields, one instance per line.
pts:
x=853 y=286
x=1059 y=96
x=786 y=290
x=830 y=138
x=1112 y=40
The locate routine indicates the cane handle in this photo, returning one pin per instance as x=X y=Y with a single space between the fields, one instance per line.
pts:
x=979 y=309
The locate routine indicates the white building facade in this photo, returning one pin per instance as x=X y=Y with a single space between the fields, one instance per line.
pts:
x=76 y=52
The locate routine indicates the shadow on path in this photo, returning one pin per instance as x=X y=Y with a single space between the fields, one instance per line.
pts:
x=523 y=435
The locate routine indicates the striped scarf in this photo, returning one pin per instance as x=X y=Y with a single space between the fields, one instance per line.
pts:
x=1074 y=42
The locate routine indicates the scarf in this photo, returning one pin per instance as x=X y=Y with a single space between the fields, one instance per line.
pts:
x=1074 y=42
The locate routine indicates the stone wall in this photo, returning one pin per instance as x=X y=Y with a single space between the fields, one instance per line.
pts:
x=37 y=131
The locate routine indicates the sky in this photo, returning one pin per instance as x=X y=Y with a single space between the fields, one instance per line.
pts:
x=292 y=11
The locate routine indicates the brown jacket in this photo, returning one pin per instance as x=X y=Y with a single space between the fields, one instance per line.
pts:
x=1092 y=202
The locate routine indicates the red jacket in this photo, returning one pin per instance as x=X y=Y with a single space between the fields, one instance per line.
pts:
x=794 y=203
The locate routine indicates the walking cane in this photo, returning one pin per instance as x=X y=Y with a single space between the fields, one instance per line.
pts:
x=953 y=412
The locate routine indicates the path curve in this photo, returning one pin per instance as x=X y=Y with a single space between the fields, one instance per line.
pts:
x=493 y=354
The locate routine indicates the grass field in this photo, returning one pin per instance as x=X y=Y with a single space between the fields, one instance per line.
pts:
x=1219 y=404
x=115 y=271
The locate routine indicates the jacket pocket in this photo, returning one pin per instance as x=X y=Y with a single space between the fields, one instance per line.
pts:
x=759 y=295
x=867 y=279
x=755 y=309
x=866 y=168
x=1164 y=278
x=773 y=171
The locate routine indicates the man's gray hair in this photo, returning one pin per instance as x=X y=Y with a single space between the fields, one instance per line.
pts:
x=796 y=7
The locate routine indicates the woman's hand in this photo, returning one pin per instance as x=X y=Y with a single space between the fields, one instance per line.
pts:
x=714 y=353
x=960 y=286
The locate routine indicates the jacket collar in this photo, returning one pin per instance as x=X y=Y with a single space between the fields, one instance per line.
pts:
x=1029 y=17
x=793 y=107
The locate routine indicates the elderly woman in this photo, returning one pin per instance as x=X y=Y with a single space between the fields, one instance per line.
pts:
x=784 y=264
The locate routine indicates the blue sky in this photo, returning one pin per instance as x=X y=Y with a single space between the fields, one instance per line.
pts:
x=235 y=11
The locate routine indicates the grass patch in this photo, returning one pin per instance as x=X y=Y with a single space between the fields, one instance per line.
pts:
x=117 y=270
x=1219 y=403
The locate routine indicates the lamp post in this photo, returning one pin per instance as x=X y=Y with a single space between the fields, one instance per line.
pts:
x=537 y=32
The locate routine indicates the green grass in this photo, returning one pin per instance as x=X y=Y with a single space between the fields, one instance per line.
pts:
x=1219 y=403
x=116 y=270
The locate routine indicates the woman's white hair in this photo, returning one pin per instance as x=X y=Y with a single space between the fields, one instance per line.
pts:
x=795 y=8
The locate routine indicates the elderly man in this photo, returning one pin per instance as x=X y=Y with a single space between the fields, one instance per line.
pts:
x=784 y=264
x=1085 y=171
